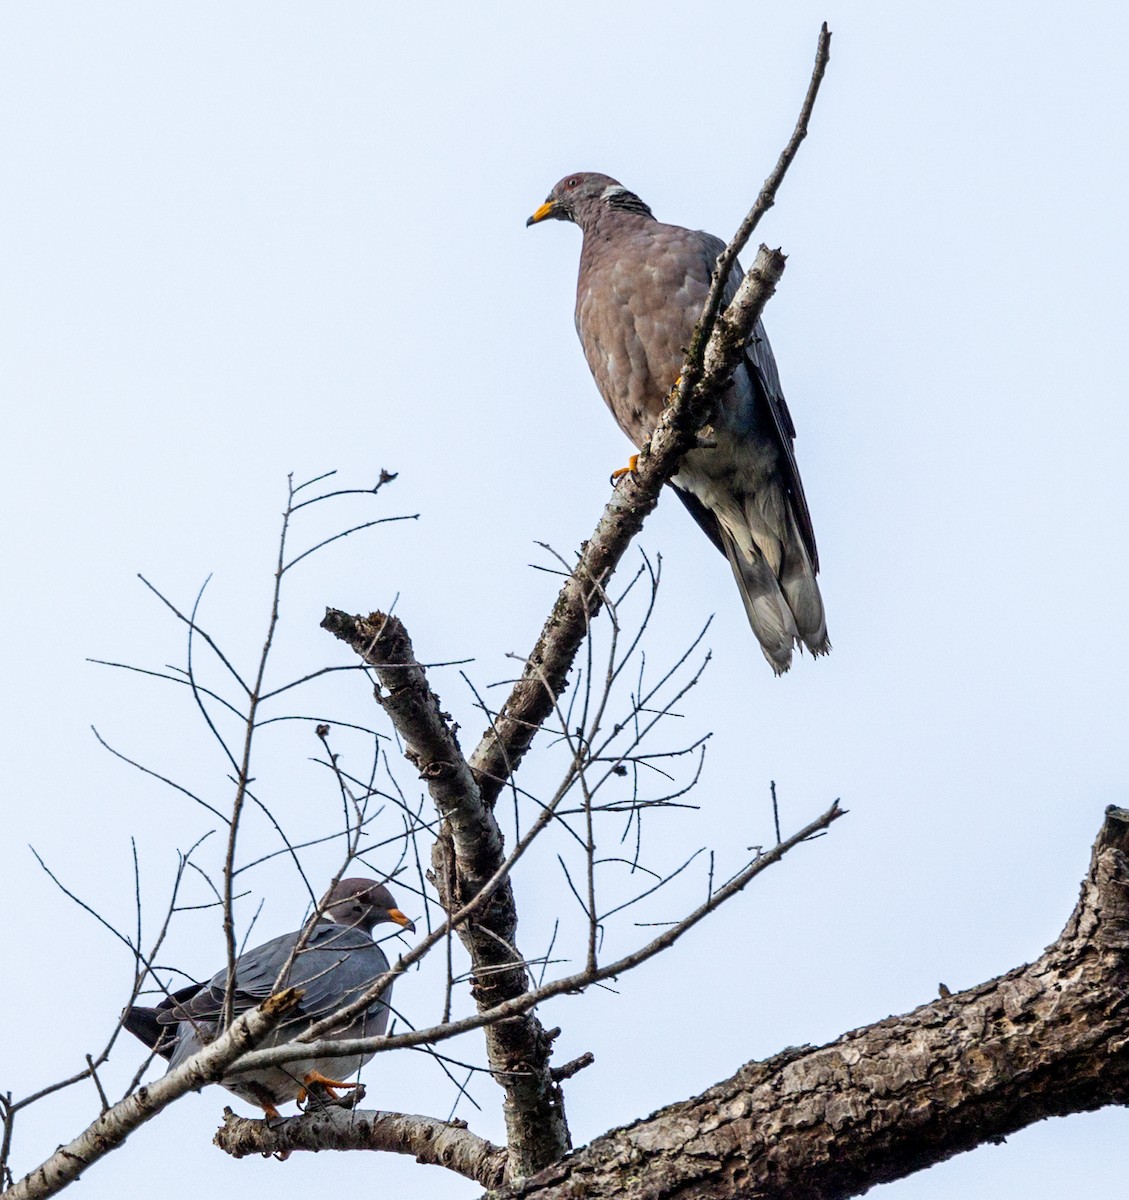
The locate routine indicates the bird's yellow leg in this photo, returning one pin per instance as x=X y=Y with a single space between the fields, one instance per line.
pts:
x=328 y=1084
x=630 y=469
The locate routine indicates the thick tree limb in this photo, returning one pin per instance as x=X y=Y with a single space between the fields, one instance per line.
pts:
x=430 y=745
x=111 y=1129
x=437 y=1143
x=882 y=1102
x=467 y=854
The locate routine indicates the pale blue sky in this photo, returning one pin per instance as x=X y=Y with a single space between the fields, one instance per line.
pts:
x=244 y=239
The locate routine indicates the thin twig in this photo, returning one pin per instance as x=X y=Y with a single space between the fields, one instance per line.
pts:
x=309 y=1045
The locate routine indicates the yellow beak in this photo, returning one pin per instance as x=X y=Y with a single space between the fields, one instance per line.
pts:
x=394 y=914
x=546 y=210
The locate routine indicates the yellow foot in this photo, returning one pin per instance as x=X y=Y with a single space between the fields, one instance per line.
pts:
x=630 y=469
x=328 y=1084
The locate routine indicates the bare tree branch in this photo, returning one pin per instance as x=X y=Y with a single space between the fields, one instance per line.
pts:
x=438 y=1143
x=307 y=1045
x=430 y=746
x=765 y=200
x=114 y=1125
x=243 y=770
x=469 y=853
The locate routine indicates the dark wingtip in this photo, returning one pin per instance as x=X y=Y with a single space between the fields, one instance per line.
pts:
x=145 y=1025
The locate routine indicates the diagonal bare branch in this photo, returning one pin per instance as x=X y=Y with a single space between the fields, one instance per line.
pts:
x=307 y=1045
x=114 y=1125
x=716 y=348
x=546 y=669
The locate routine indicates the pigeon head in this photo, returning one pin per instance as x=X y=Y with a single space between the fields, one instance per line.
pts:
x=586 y=196
x=362 y=903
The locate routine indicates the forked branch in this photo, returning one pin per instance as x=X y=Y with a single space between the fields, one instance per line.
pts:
x=465 y=791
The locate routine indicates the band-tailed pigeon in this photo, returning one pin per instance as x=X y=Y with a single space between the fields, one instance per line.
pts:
x=640 y=293
x=337 y=963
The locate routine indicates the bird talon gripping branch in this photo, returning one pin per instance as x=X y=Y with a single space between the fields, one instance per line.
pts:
x=330 y=1085
x=630 y=469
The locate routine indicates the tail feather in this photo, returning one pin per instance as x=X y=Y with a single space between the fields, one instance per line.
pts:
x=760 y=535
x=766 y=516
x=765 y=605
x=778 y=588
x=797 y=580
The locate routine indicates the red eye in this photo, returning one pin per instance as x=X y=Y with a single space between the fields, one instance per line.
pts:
x=572 y=182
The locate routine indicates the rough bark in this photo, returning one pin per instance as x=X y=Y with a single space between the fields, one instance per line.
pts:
x=1046 y=1039
x=116 y=1124
x=438 y=1143
x=468 y=852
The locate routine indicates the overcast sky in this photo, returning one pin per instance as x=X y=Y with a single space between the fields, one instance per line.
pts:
x=246 y=239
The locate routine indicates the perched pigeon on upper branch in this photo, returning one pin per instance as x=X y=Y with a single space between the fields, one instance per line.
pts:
x=336 y=965
x=640 y=293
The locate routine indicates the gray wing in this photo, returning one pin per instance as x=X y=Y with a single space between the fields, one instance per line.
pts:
x=771 y=405
x=762 y=366
x=334 y=967
x=255 y=975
